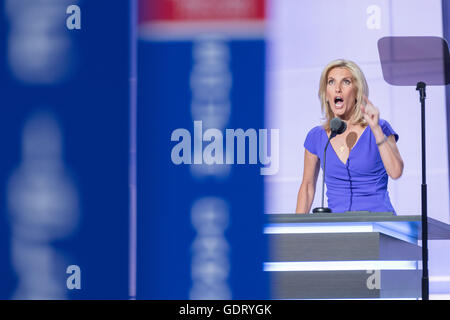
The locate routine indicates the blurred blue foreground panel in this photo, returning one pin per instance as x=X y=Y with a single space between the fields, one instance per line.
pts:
x=64 y=140
x=200 y=218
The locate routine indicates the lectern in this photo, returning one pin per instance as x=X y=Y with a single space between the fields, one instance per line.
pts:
x=347 y=255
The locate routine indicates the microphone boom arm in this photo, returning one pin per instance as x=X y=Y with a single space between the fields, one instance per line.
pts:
x=322 y=209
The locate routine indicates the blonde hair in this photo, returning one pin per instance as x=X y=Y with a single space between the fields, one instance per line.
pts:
x=361 y=90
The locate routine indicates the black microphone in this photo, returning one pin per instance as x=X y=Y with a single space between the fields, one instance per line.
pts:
x=337 y=126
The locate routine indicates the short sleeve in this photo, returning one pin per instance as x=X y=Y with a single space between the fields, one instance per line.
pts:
x=387 y=129
x=312 y=140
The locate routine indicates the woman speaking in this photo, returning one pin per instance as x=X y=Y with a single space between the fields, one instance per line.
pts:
x=358 y=161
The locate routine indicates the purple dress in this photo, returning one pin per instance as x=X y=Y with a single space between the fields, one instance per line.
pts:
x=361 y=183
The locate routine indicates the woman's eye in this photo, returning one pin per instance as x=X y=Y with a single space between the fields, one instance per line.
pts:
x=346 y=81
x=331 y=81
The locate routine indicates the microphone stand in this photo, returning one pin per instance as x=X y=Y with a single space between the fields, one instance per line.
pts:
x=323 y=209
x=425 y=280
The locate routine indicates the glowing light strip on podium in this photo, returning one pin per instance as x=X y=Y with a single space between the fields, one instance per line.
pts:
x=280 y=228
x=342 y=265
x=353 y=227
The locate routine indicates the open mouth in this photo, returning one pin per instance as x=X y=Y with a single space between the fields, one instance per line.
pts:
x=338 y=101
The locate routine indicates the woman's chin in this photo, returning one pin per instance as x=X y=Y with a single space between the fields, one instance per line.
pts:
x=341 y=113
x=338 y=112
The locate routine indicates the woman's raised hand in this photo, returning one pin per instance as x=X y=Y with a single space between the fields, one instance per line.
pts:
x=370 y=112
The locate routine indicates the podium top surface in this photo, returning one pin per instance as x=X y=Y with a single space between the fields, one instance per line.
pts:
x=386 y=222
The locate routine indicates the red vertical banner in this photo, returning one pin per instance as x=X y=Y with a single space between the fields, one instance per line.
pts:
x=201 y=10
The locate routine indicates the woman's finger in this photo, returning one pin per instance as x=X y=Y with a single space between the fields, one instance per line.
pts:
x=366 y=99
x=369 y=110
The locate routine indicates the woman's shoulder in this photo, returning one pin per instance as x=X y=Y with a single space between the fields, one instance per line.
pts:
x=383 y=122
x=387 y=128
x=313 y=138
x=317 y=130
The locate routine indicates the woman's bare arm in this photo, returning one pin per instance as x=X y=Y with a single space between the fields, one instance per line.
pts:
x=307 y=189
x=389 y=153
